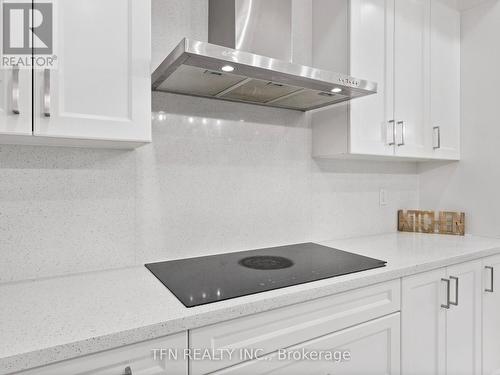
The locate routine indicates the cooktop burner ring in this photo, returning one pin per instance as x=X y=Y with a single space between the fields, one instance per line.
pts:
x=266 y=262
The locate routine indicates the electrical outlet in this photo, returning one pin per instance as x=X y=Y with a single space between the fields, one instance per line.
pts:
x=383 y=198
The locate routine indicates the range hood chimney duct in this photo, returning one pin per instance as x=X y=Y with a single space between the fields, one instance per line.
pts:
x=256 y=26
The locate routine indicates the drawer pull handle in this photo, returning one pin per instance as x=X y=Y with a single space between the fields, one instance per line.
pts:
x=455 y=303
x=128 y=370
x=492 y=280
x=447 y=306
x=15 y=90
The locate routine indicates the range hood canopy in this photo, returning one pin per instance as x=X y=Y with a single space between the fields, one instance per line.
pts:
x=221 y=72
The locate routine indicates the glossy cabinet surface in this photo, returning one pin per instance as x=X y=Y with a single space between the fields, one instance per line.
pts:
x=412 y=77
x=15 y=102
x=99 y=92
x=372 y=50
x=445 y=79
x=423 y=325
x=373 y=348
x=463 y=320
x=411 y=48
x=101 y=88
x=491 y=315
x=15 y=97
x=360 y=42
x=441 y=321
x=138 y=359
x=281 y=328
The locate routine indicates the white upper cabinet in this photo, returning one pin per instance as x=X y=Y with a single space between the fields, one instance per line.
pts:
x=412 y=77
x=359 y=41
x=101 y=89
x=15 y=102
x=445 y=79
x=99 y=94
x=372 y=48
x=411 y=48
x=15 y=97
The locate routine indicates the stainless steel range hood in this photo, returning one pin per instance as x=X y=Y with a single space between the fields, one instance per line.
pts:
x=231 y=68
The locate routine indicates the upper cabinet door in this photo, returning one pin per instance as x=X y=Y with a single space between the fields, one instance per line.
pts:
x=412 y=78
x=445 y=79
x=372 y=58
x=15 y=101
x=101 y=86
x=15 y=96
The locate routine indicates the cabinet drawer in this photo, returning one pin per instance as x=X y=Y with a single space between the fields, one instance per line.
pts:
x=138 y=357
x=369 y=348
x=285 y=327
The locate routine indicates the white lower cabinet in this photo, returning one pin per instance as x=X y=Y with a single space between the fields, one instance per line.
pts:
x=423 y=328
x=268 y=332
x=441 y=321
x=135 y=359
x=373 y=348
x=463 y=320
x=491 y=316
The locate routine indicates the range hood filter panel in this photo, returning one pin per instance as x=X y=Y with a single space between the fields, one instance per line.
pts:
x=199 y=82
x=258 y=91
x=310 y=99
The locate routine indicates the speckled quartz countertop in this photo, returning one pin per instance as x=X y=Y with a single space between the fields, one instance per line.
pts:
x=50 y=320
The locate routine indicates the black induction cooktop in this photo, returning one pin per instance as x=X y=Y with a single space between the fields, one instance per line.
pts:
x=198 y=281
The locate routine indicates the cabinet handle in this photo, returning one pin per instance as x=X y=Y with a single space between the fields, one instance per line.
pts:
x=15 y=90
x=447 y=306
x=438 y=128
x=492 y=279
x=455 y=303
x=46 y=92
x=403 y=131
x=393 y=123
x=128 y=370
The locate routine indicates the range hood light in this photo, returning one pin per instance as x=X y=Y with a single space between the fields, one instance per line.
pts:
x=336 y=90
x=228 y=68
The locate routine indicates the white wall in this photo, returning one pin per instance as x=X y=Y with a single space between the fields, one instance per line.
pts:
x=473 y=185
x=468 y=4
x=218 y=177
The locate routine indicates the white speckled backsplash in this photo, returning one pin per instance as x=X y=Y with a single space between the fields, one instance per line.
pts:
x=218 y=177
